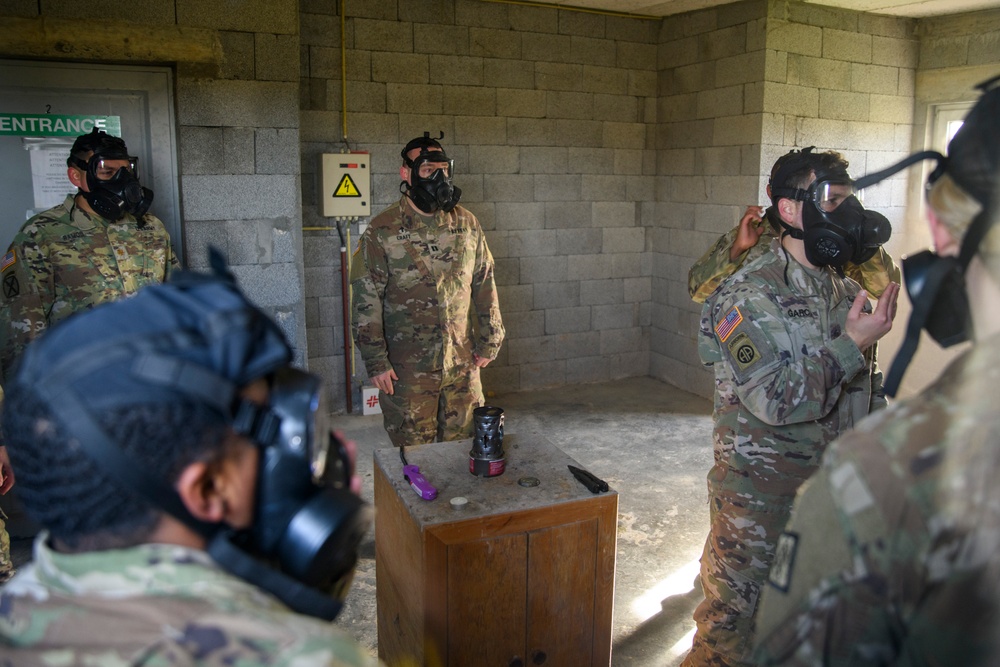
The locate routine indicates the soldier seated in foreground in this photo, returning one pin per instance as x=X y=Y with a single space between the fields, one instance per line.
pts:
x=195 y=509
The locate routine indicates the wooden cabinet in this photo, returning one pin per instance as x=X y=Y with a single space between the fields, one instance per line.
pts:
x=524 y=575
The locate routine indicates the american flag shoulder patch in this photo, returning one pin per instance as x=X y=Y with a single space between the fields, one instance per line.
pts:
x=8 y=260
x=732 y=319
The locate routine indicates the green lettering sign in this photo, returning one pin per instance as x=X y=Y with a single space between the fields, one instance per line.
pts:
x=52 y=125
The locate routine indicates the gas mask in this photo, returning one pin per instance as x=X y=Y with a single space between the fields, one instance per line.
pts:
x=936 y=284
x=197 y=339
x=435 y=191
x=114 y=190
x=306 y=518
x=836 y=227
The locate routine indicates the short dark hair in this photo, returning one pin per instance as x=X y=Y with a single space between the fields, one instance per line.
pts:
x=96 y=141
x=64 y=491
x=794 y=169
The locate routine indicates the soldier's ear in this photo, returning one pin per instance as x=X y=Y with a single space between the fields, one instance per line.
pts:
x=76 y=177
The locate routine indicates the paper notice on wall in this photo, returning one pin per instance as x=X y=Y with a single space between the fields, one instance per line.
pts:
x=48 y=170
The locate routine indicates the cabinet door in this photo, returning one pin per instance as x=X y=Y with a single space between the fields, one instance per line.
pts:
x=562 y=571
x=486 y=601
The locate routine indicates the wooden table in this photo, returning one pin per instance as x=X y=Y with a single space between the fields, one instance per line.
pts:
x=523 y=575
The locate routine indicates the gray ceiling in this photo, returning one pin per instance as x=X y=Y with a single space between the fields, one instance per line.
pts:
x=909 y=8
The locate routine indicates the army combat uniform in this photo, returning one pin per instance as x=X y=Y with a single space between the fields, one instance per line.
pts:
x=155 y=605
x=715 y=266
x=892 y=555
x=425 y=301
x=788 y=380
x=65 y=260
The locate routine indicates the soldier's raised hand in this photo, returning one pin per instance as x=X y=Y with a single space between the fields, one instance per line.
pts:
x=866 y=328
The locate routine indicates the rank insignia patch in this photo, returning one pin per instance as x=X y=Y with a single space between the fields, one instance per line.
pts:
x=730 y=322
x=780 y=575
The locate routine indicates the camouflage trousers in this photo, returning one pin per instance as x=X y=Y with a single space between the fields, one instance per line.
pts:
x=430 y=407
x=734 y=566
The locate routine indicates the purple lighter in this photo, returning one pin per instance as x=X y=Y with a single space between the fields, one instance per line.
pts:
x=419 y=483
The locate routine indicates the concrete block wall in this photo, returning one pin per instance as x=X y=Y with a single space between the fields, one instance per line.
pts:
x=548 y=115
x=793 y=75
x=236 y=104
x=711 y=70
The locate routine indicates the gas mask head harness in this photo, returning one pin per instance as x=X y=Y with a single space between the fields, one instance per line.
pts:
x=435 y=190
x=197 y=339
x=936 y=284
x=113 y=188
x=836 y=227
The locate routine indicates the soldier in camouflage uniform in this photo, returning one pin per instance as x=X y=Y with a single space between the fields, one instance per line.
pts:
x=892 y=555
x=752 y=237
x=425 y=306
x=120 y=576
x=70 y=258
x=791 y=344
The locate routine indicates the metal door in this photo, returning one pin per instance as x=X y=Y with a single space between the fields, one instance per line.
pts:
x=140 y=98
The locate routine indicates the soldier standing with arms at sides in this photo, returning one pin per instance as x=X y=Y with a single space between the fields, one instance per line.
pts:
x=98 y=245
x=792 y=345
x=892 y=555
x=426 y=314
x=752 y=237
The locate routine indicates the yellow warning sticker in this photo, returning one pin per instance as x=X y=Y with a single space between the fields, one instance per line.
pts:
x=346 y=188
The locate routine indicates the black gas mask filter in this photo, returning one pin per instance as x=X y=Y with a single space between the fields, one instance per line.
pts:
x=198 y=339
x=112 y=194
x=434 y=192
x=935 y=283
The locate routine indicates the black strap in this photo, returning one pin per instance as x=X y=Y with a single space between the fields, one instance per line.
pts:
x=918 y=318
x=296 y=595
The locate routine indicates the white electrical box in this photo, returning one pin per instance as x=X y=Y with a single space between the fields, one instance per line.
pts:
x=346 y=184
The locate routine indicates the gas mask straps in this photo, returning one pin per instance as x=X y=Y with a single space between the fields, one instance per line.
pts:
x=430 y=187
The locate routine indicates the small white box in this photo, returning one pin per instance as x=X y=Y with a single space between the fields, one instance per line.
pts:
x=369 y=401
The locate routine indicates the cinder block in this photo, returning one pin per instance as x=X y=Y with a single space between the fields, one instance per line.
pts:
x=634 y=55
x=601 y=292
x=567 y=320
x=850 y=46
x=590 y=51
x=582 y=267
x=565 y=104
x=557 y=187
x=841 y=105
x=492 y=43
x=720 y=102
x=819 y=72
x=505 y=73
x=543 y=269
x=408 y=68
x=470 y=100
x=276 y=57
x=794 y=37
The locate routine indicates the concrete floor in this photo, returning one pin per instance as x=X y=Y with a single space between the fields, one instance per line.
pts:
x=652 y=443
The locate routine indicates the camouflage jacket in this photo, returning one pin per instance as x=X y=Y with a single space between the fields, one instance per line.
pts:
x=788 y=379
x=154 y=605
x=424 y=295
x=715 y=266
x=892 y=555
x=64 y=260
